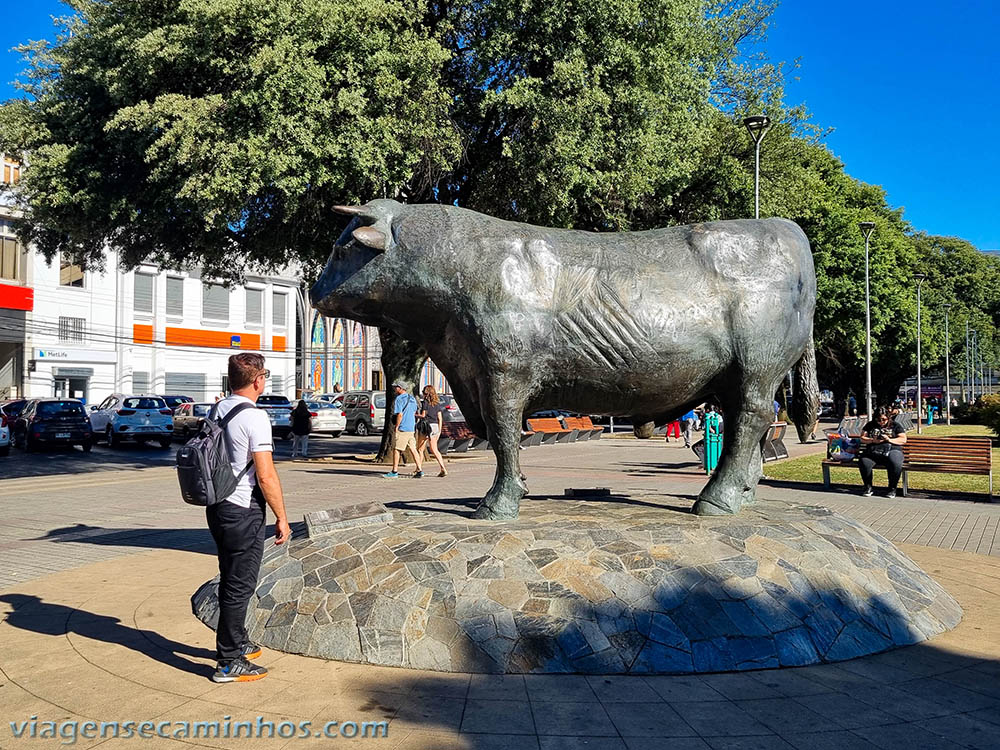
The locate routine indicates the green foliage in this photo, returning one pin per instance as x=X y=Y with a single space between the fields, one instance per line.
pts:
x=218 y=131
x=985 y=411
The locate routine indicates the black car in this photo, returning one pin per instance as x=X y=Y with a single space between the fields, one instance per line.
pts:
x=52 y=422
x=174 y=401
x=14 y=407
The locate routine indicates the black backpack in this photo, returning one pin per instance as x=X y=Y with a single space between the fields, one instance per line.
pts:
x=203 y=467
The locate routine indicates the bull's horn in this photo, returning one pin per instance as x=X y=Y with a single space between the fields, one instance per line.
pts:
x=369 y=237
x=350 y=210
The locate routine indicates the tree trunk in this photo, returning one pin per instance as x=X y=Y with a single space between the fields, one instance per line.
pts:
x=402 y=361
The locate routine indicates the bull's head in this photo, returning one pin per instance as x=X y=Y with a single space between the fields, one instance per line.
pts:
x=358 y=276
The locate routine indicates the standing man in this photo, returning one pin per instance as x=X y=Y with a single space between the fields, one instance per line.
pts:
x=688 y=421
x=239 y=523
x=404 y=423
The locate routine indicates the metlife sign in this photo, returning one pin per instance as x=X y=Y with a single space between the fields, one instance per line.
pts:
x=58 y=355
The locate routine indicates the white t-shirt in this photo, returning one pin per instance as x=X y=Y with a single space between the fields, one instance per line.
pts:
x=249 y=433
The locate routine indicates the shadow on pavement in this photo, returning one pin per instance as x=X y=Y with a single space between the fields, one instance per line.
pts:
x=855 y=490
x=193 y=539
x=33 y=614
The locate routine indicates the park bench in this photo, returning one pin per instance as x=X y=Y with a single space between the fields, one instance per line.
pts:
x=772 y=445
x=552 y=430
x=458 y=435
x=595 y=430
x=584 y=427
x=937 y=455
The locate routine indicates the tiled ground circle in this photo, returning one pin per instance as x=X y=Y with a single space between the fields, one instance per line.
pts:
x=595 y=587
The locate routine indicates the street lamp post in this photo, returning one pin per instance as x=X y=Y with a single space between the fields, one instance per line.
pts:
x=867 y=227
x=973 y=365
x=947 y=365
x=919 y=278
x=757 y=126
x=965 y=394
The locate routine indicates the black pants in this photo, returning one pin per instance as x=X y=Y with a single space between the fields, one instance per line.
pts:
x=239 y=538
x=893 y=464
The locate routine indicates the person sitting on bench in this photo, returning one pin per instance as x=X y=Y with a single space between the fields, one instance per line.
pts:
x=882 y=442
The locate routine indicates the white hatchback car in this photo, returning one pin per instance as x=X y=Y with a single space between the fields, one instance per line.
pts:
x=326 y=417
x=140 y=418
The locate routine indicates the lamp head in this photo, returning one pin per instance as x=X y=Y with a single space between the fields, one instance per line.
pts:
x=757 y=126
x=866 y=227
x=919 y=277
x=946 y=306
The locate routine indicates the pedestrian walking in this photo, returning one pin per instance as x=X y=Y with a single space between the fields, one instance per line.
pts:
x=239 y=523
x=404 y=420
x=882 y=440
x=432 y=411
x=301 y=427
x=688 y=421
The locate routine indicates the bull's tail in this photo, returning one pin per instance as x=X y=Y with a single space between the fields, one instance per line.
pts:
x=805 y=402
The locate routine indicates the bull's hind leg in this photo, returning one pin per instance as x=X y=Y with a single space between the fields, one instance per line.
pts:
x=503 y=409
x=746 y=417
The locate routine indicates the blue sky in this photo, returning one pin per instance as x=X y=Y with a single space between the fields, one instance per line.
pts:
x=911 y=87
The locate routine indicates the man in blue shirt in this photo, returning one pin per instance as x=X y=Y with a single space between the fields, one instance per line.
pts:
x=688 y=421
x=404 y=422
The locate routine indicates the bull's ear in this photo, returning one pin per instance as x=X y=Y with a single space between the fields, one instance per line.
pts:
x=350 y=210
x=370 y=237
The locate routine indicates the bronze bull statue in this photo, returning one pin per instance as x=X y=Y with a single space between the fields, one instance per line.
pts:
x=643 y=324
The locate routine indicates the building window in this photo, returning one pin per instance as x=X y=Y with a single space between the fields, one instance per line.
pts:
x=175 y=296
x=280 y=316
x=215 y=302
x=70 y=273
x=255 y=306
x=11 y=171
x=10 y=252
x=278 y=385
x=72 y=329
x=143 y=291
x=140 y=381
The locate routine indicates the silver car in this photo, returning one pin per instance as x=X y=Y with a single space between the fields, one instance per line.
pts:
x=326 y=417
x=279 y=411
x=365 y=411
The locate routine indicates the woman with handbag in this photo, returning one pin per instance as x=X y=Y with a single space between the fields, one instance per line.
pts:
x=882 y=442
x=429 y=424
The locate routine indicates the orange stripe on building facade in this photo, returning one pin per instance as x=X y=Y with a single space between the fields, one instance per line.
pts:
x=278 y=343
x=142 y=334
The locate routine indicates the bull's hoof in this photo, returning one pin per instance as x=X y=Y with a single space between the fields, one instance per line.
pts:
x=502 y=503
x=485 y=513
x=705 y=508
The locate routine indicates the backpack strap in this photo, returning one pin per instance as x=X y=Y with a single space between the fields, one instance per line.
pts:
x=224 y=423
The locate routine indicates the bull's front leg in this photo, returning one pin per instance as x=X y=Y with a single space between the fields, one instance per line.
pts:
x=503 y=408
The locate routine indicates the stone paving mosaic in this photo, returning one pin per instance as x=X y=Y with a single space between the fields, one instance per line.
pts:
x=598 y=587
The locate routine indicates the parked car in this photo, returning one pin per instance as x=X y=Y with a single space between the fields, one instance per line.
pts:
x=188 y=418
x=14 y=407
x=330 y=398
x=279 y=411
x=452 y=412
x=174 y=401
x=326 y=417
x=5 y=426
x=53 y=422
x=141 y=418
x=365 y=411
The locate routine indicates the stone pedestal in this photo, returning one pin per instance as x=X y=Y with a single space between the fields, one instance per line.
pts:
x=590 y=586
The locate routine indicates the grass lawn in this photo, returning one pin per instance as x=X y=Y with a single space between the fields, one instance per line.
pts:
x=807 y=468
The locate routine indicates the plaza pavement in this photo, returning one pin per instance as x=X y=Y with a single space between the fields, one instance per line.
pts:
x=98 y=566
